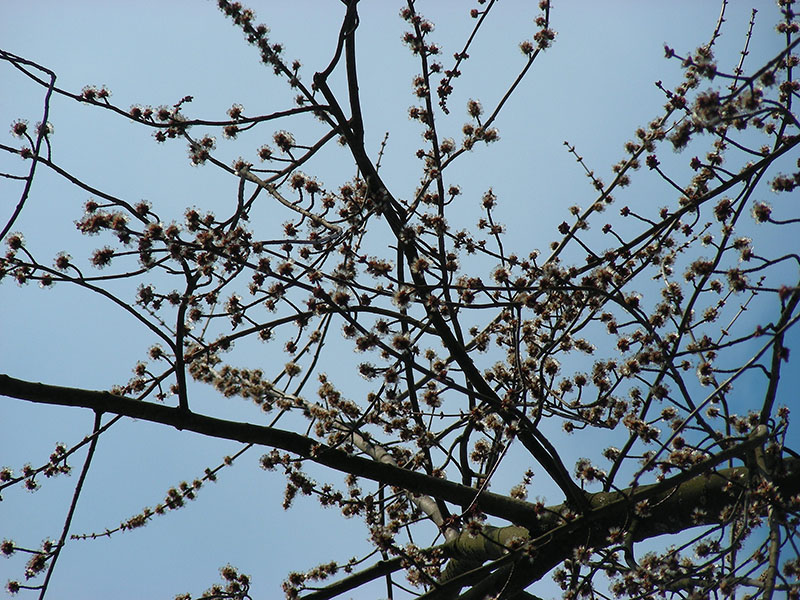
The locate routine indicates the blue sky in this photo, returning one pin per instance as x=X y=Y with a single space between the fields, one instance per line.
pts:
x=593 y=88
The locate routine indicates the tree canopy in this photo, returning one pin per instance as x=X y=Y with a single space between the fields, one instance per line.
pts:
x=551 y=388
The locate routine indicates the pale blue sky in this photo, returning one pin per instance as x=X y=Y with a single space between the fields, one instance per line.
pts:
x=593 y=88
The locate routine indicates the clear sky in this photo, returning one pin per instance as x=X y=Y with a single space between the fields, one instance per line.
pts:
x=593 y=88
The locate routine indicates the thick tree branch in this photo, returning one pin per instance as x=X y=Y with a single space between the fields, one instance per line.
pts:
x=698 y=502
x=515 y=511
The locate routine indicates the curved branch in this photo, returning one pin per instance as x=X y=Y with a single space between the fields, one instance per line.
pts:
x=515 y=511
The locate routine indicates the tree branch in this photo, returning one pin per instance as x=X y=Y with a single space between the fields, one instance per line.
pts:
x=515 y=511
